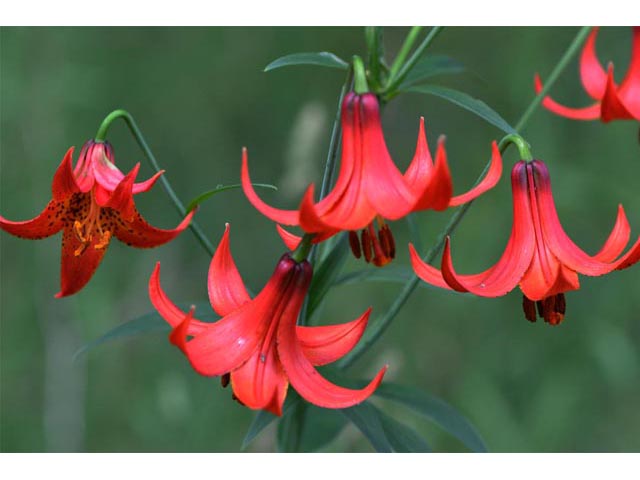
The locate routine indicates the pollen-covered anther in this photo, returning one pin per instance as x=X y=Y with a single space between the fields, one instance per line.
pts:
x=551 y=309
x=104 y=240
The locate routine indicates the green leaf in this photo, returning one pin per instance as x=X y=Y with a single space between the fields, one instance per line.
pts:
x=467 y=102
x=435 y=410
x=365 y=417
x=431 y=66
x=290 y=429
x=402 y=438
x=323 y=59
x=150 y=322
x=327 y=272
x=263 y=419
x=320 y=427
x=222 y=188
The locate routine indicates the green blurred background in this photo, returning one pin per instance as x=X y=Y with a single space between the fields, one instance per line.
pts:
x=199 y=95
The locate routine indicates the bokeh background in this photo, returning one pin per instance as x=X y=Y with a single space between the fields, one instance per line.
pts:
x=199 y=95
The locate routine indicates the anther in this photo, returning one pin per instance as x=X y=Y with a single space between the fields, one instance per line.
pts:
x=225 y=379
x=354 y=242
x=367 y=245
x=529 y=307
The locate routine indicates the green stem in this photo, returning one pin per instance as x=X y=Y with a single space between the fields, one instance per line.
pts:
x=360 y=76
x=377 y=329
x=398 y=62
x=395 y=80
x=373 y=37
x=137 y=134
x=301 y=253
x=518 y=141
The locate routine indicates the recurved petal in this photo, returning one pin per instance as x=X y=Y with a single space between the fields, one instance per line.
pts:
x=260 y=383
x=629 y=90
x=121 y=198
x=420 y=169
x=286 y=217
x=488 y=182
x=290 y=240
x=307 y=380
x=64 y=183
x=592 y=74
x=109 y=176
x=426 y=272
x=591 y=112
x=326 y=344
x=228 y=343
x=612 y=107
x=138 y=233
x=79 y=260
x=516 y=259
x=47 y=223
x=226 y=288
x=437 y=193
x=167 y=309
x=617 y=240
x=562 y=246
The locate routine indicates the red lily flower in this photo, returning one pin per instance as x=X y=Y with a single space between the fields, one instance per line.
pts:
x=92 y=203
x=539 y=256
x=370 y=186
x=613 y=102
x=257 y=344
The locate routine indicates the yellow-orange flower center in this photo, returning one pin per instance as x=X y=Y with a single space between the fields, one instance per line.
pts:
x=89 y=221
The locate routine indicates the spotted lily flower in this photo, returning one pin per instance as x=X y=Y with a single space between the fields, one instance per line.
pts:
x=92 y=203
x=256 y=345
x=370 y=189
x=613 y=101
x=540 y=257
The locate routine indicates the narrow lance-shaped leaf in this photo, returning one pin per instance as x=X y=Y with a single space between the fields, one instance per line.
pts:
x=323 y=59
x=435 y=410
x=431 y=66
x=365 y=417
x=402 y=438
x=150 y=322
x=289 y=431
x=222 y=188
x=467 y=102
x=320 y=427
x=263 y=419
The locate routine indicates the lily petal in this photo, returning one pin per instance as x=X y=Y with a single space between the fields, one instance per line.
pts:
x=326 y=344
x=426 y=272
x=421 y=167
x=138 y=233
x=560 y=243
x=231 y=341
x=488 y=182
x=516 y=259
x=226 y=288
x=617 y=240
x=77 y=270
x=591 y=112
x=260 y=383
x=592 y=74
x=286 y=217
x=629 y=90
x=437 y=192
x=50 y=221
x=612 y=106
x=64 y=183
x=167 y=309
x=302 y=374
x=121 y=199
x=290 y=240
